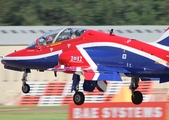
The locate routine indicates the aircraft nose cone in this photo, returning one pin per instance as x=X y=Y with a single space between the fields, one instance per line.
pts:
x=3 y=61
x=6 y=60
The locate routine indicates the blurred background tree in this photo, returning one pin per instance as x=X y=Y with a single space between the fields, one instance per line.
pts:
x=84 y=12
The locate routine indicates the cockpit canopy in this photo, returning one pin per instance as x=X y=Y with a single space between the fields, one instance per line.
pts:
x=58 y=36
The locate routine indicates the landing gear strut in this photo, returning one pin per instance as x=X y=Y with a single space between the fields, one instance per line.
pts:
x=78 y=97
x=136 y=96
x=25 y=86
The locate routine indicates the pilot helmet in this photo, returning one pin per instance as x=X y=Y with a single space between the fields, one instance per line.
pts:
x=49 y=39
x=77 y=33
x=82 y=31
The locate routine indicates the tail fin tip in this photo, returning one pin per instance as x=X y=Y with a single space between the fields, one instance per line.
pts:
x=164 y=39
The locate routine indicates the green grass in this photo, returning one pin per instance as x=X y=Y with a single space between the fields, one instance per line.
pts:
x=26 y=115
x=33 y=116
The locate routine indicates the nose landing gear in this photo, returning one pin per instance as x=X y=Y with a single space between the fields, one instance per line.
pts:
x=25 y=86
x=136 y=96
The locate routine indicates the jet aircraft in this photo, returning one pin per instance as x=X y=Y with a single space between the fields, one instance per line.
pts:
x=97 y=55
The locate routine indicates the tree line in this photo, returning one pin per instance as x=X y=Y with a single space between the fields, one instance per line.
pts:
x=83 y=12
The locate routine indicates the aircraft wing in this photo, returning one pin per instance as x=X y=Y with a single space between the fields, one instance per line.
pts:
x=105 y=73
x=92 y=74
x=62 y=68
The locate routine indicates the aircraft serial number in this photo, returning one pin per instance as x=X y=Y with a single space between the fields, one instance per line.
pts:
x=76 y=59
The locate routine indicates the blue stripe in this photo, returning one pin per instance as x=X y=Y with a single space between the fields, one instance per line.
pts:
x=110 y=77
x=42 y=63
x=164 y=41
x=110 y=58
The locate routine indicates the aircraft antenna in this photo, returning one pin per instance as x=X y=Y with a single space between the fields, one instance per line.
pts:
x=111 y=31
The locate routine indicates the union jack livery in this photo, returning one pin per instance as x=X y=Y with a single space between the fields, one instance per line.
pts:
x=96 y=55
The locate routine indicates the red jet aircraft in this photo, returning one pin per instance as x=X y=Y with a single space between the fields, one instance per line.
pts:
x=96 y=55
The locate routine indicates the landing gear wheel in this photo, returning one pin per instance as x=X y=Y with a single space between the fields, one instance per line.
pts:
x=78 y=98
x=137 y=97
x=25 y=88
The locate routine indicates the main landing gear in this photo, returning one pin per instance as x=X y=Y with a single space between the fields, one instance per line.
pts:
x=78 y=97
x=25 y=86
x=136 y=96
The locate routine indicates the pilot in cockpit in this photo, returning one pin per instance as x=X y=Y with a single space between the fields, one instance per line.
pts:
x=82 y=31
x=49 y=39
x=77 y=33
